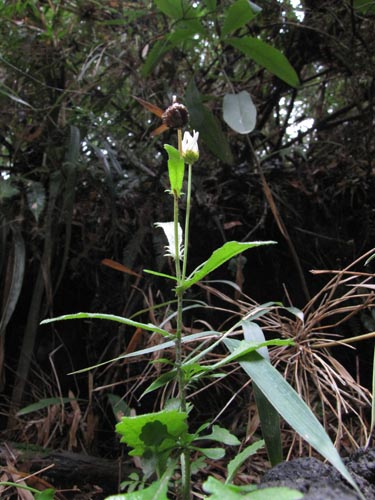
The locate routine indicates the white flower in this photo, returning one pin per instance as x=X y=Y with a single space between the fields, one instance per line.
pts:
x=190 y=151
x=168 y=228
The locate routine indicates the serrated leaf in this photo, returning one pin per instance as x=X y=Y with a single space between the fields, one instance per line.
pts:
x=268 y=57
x=138 y=432
x=229 y=250
x=239 y=112
x=237 y=15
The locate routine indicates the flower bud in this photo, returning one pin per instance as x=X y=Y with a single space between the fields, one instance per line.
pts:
x=190 y=151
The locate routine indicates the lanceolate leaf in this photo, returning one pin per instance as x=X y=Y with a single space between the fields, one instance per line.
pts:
x=176 y=168
x=144 y=326
x=291 y=407
x=268 y=57
x=237 y=15
x=219 y=257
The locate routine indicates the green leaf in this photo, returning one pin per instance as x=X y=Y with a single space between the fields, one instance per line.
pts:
x=202 y=120
x=111 y=317
x=222 y=435
x=212 y=453
x=157 y=490
x=171 y=8
x=239 y=112
x=43 y=403
x=291 y=407
x=268 y=57
x=365 y=7
x=219 y=257
x=162 y=275
x=48 y=494
x=36 y=198
x=15 y=271
x=268 y=416
x=238 y=14
x=132 y=429
x=7 y=190
x=210 y=4
x=241 y=457
x=176 y=169
x=222 y=491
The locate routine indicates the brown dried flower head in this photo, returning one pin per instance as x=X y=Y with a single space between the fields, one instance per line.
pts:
x=175 y=116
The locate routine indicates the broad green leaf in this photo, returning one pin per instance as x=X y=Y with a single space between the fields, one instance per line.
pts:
x=268 y=57
x=111 y=317
x=237 y=15
x=222 y=435
x=36 y=198
x=241 y=457
x=176 y=169
x=222 y=491
x=171 y=8
x=203 y=120
x=291 y=407
x=219 y=257
x=269 y=418
x=239 y=112
x=15 y=270
x=160 y=429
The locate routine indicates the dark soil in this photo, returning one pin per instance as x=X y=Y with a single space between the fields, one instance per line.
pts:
x=318 y=480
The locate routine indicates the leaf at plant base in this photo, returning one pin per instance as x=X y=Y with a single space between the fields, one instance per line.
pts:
x=229 y=250
x=137 y=431
x=157 y=490
x=239 y=112
x=291 y=407
x=222 y=435
x=237 y=15
x=241 y=457
x=268 y=416
x=111 y=317
x=268 y=57
x=47 y=494
x=176 y=169
x=222 y=491
x=212 y=453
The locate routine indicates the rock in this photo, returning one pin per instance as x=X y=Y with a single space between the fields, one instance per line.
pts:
x=318 y=480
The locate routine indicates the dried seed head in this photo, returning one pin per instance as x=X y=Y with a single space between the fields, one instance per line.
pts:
x=175 y=116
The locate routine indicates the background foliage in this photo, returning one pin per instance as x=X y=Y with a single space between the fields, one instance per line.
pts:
x=82 y=181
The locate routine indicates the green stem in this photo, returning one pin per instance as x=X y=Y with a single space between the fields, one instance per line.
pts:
x=187 y=222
